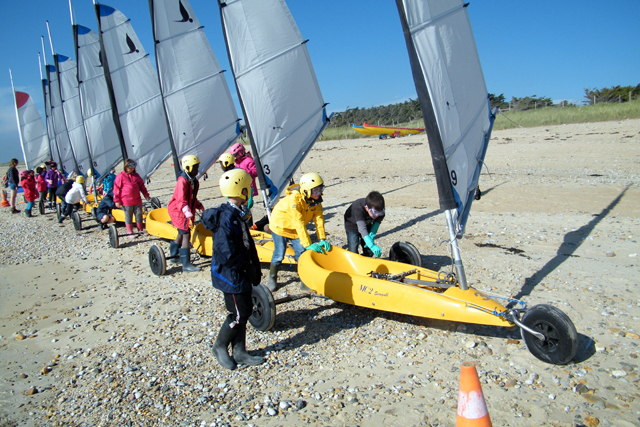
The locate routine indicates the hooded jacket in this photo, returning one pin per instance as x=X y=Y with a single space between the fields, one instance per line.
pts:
x=235 y=265
x=185 y=194
x=76 y=194
x=290 y=216
x=30 y=190
x=41 y=183
x=127 y=188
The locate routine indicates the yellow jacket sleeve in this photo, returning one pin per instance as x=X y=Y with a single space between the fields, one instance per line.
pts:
x=318 y=219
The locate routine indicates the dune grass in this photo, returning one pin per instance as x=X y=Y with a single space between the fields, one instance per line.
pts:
x=530 y=118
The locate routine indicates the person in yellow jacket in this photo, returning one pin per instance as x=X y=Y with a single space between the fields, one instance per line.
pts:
x=289 y=220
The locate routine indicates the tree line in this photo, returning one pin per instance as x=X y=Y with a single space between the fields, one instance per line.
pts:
x=408 y=111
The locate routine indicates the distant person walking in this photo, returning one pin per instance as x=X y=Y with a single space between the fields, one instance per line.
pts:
x=13 y=181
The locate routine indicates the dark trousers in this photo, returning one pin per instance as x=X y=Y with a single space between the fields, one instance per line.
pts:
x=52 y=195
x=354 y=239
x=239 y=307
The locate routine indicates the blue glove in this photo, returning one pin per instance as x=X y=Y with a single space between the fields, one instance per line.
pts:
x=316 y=247
x=250 y=201
x=377 y=252
x=325 y=245
x=374 y=229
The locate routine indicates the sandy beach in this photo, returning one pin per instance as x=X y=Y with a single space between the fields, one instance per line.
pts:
x=89 y=336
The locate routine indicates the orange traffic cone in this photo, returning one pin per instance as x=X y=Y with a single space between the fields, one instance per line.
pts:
x=4 y=202
x=472 y=409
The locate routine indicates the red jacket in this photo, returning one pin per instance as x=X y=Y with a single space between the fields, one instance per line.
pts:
x=127 y=188
x=30 y=191
x=41 y=184
x=183 y=196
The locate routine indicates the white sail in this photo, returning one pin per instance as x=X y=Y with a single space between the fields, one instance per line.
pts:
x=102 y=135
x=33 y=136
x=136 y=91
x=67 y=160
x=201 y=114
x=278 y=89
x=70 y=95
x=453 y=96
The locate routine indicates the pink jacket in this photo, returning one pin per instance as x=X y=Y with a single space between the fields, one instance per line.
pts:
x=127 y=188
x=249 y=165
x=41 y=184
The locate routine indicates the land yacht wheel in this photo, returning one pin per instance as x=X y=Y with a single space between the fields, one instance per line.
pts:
x=77 y=221
x=561 y=339
x=157 y=260
x=155 y=202
x=114 y=239
x=94 y=214
x=58 y=210
x=406 y=253
x=263 y=316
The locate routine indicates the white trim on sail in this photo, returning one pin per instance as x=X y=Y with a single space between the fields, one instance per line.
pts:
x=102 y=135
x=277 y=86
x=67 y=160
x=33 y=136
x=136 y=91
x=70 y=95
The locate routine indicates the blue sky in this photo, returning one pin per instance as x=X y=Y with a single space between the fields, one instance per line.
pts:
x=546 y=48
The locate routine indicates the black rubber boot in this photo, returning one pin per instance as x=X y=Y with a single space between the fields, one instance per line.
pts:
x=27 y=213
x=173 y=252
x=272 y=281
x=187 y=267
x=220 y=348
x=240 y=354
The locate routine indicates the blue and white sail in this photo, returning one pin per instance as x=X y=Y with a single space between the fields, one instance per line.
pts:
x=453 y=96
x=135 y=89
x=53 y=149
x=70 y=95
x=455 y=104
x=100 y=128
x=67 y=159
x=279 y=93
x=200 y=110
x=33 y=136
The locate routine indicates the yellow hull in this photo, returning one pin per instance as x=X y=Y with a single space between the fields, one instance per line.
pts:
x=118 y=214
x=159 y=225
x=344 y=277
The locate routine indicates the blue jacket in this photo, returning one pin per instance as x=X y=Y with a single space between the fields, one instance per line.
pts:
x=105 y=206
x=234 y=266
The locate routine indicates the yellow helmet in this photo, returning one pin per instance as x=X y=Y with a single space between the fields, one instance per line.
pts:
x=308 y=181
x=227 y=159
x=233 y=182
x=80 y=179
x=89 y=173
x=188 y=162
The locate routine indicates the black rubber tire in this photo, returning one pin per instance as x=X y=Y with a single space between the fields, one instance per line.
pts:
x=94 y=214
x=157 y=260
x=155 y=202
x=405 y=253
x=114 y=239
x=561 y=339
x=77 y=221
x=58 y=210
x=263 y=316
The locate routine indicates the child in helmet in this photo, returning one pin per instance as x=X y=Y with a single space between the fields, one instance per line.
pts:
x=235 y=267
x=73 y=197
x=41 y=184
x=227 y=161
x=126 y=194
x=289 y=219
x=361 y=222
x=181 y=208
x=62 y=190
x=245 y=161
x=30 y=191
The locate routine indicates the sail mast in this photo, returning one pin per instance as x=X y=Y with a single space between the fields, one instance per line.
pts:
x=45 y=94
x=107 y=76
x=15 y=104
x=50 y=125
